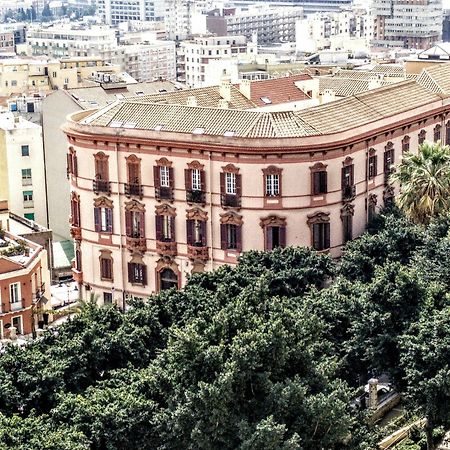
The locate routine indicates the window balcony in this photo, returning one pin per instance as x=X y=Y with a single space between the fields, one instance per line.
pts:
x=348 y=193
x=230 y=201
x=136 y=243
x=166 y=248
x=101 y=186
x=198 y=197
x=164 y=193
x=15 y=306
x=198 y=253
x=133 y=190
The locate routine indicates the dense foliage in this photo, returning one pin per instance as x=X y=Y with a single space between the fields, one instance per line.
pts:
x=266 y=355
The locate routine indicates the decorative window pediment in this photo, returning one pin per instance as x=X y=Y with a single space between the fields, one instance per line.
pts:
x=196 y=214
x=165 y=210
x=134 y=205
x=230 y=168
x=389 y=146
x=272 y=170
x=231 y=218
x=372 y=151
x=318 y=217
x=273 y=221
x=195 y=165
x=164 y=162
x=318 y=167
x=373 y=200
x=348 y=210
x=347 y=161
x=103 y=202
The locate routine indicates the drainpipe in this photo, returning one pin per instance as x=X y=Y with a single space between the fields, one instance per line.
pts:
x=122 y=283
x=211 y=227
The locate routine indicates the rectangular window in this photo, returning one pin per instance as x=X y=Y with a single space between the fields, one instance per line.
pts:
x=29 y=216
x=196 y=180
x=136 y=224
x=422 y=136
x=231 y=238
x=107 y=298
x=17 y=323
x=320 y=182
x=321 y=236
x=164 y=176
x=137 y=273
x=26 y=177
x=405 y=144
x=25 y=150
x=27 y=196
x=272 y=185
x=372 y=167
x=347 y=176
x=103 y=220
x=347 y=228
x=14 y=296
x=167 y=228
x=230 y=183
x=106 y=269
x=388 y=161
x=275 y=237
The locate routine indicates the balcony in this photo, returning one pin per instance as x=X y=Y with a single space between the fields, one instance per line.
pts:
x=75 y=232
x=198 y=253
x=164 y=193
x=166 y=248
x=15 y=306
x=101 y=186
x=136 y=243
x=348 y=193
x=198 y=197
x=230 y=201
x=133 y=190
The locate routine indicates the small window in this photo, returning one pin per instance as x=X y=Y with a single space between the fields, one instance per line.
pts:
x=230 y=183
x=18 y=324
x=272 y=185
x=25 y=150
x=14 y=294
x=107 y=298
x=27 y=196
x=164 y=176
x=106 y=268
x=137 y=273
x=372 y=167
x=196 y=180
x=320 y=182
x=321 y=236
x=26 y=177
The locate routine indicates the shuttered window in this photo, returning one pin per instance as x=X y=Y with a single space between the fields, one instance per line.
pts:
x=231 y=237
x=319 y=182
x=137 y=273
x=106 y=268
x=196 y=232
x=321 y=236
x=103 y=218
x=275 y=237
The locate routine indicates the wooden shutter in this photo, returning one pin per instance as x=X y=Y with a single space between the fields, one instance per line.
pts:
x=69 y=164
x=109 y=220
x=203 y=180
x=326 y=232
x=74 y=165
x=282 y=237
x=141 y=225
x=352 y=175
x=223 y=235
x=172 y=228
x=188 y=179
x=324 y=182
x=316 y=182
x=375 y=166
x=171 y=178
x=316 y=236
x=343 y=177
x=222 y=183
x=128 y=223
x=203 y=232
x=97 y=219
x=239 y=238
x=189 y=231
x=156 y=176
x=130 y=273
x=144 y=275
x=238 y=185
x=159 y=227
x=269 y=240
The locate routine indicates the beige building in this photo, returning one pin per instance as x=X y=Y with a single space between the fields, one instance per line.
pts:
x=162 y=188
x=18 y=76
x=22 y=175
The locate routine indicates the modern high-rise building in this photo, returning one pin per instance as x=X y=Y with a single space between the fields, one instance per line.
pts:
x=114 y=12
x=414 y=24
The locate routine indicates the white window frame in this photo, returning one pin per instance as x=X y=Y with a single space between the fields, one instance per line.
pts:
x=196 y=179
x=18 y=330
x=164 y=176
x=19 y=296
x=26 y=180
x=230 y=183
x=273 y=185
x=166 y=227
x=1 y=329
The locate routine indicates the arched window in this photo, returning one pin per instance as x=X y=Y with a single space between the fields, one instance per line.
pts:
x=75 y=210
x=274 y=232
x=168 y=279
x=347 y=213
x=422 y=136
x=405 y=144
x=194 y=180
x=164 y=179
x=231 y=231
x=319 y=224
x=133 y=187
x=230 y=186
x=319 y=179
x=437 y=133
x=101 y=177
x=72 y=164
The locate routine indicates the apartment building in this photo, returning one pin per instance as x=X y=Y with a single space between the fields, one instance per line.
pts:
x=270 y=24
x=21 y=75
x=24 y=286
x=416 y=25
x=22 y=173
x=203 y=61
x=161 y=189
x=114 y=12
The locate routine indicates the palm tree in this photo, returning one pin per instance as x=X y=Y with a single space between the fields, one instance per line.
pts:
x=424 y=182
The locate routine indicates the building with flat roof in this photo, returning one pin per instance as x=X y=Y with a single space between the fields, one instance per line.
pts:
x=166 y=185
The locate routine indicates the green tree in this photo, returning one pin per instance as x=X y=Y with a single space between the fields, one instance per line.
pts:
x=425 y=182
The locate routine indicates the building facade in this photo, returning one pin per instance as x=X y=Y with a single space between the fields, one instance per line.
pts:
x=114 y=12
x=24 y=286
x=416 y=24
x=161 y=189
x=22 y=173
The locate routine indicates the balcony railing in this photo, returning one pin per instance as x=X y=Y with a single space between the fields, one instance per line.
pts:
x=166 y=248
x=101 y=186
x=164 y=193
x=348 y=193
x=136 y=243
x=198 y=253
x=195 y=197
x=133 y=189
x=230 y=200
x=15 y=306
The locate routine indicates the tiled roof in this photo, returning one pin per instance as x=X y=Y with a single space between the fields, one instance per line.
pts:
x=278 y=90
x=436 y=78
x=341 y=115
x=343 y=87
x=391 y=69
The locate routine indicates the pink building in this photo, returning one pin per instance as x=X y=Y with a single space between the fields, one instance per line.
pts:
x=161 y=189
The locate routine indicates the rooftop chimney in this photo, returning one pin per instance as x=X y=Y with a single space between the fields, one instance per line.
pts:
x=191 y=101
x=373 y=393
x=245 y=89
x=225 y=89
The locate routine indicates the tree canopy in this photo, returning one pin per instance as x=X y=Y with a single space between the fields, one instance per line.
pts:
x=265 y=355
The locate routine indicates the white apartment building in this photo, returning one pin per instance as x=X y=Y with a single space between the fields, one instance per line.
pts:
x=114 y=12
x=22 y=179
x=203 y=61
x=271 y=24
x=345 y=30
x=150 y=61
